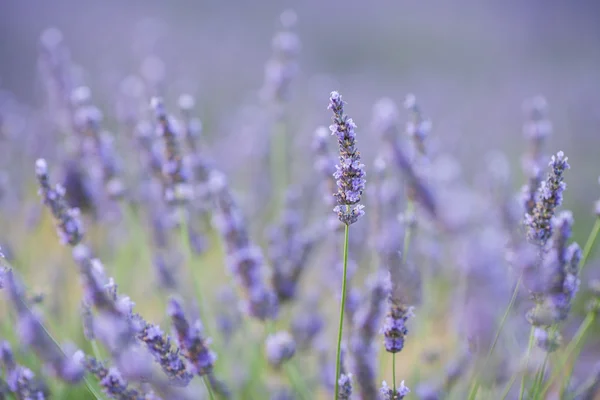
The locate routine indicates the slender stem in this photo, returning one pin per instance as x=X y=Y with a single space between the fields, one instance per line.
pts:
x=589 y=244
x=475 y=388
x=394 y=371
x=208 y=387
x=539 y=378
x=294 y=376
x=508 y=386
x=342 y=306
x=573 y=344
x=527 y=355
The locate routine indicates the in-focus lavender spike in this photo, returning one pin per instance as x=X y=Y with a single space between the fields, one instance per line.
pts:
x=350 y=173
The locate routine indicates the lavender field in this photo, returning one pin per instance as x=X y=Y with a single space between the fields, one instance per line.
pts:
x=322 y=200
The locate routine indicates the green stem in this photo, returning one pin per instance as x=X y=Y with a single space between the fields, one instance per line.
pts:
x=294 y=377
x=539 y=378
x=589 y=244
x=208 y=387
x=508 y=386
x=475 y=388
x=394 y=371
x=573 y=344
x=527 y=355
x=342 y=306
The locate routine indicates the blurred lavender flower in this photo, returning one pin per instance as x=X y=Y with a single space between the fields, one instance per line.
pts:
x=193 y=345
x=350 y=172
x=112 y=382
x=367 y=322
x=394 y=327
x=177 y=189
x=289 y=249
x=419 y=127
x=21 y=380
x=244 y=259
x=555 y=282
x=69 y=227
x=345 y=383
x=387 y=393
x=279 y=347
x=386 y=123
x=281 y=69
x=162 y=350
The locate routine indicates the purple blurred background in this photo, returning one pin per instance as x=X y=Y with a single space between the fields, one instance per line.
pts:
x=471 y=63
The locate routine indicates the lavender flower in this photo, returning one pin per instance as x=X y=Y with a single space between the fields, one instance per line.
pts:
x=418 y=129
x=193 y=345
x=69 y=227
x=549 y=197
x=394 y=327
x=21 y=380
x=387 y=393
x=161 y=349
x=345 y=383
x=244 y=259
x=279 y=347
x=177 y=189
x=350 y=172
x=112 y=382
x=555 y=284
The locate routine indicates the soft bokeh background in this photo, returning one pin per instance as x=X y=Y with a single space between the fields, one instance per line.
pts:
x=470 y=63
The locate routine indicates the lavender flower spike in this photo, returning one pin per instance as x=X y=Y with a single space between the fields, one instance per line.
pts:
x=193 y=345
x=350 y=172
x=387 y=393
x=280 y=347
x=345 y=383
x=69 y=227
x=549 y=198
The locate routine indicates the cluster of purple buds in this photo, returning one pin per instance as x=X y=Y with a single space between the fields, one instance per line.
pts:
x=177 y=189
x=279 y=347
x=350 y=173
x=345 y=383
x=394 y=327
x=558 y=282
x=548 y=198
x=191 y=340
x=388 y=393
x=112 y=382
x=159 y=345
x=20 y=381
x=68 y=223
